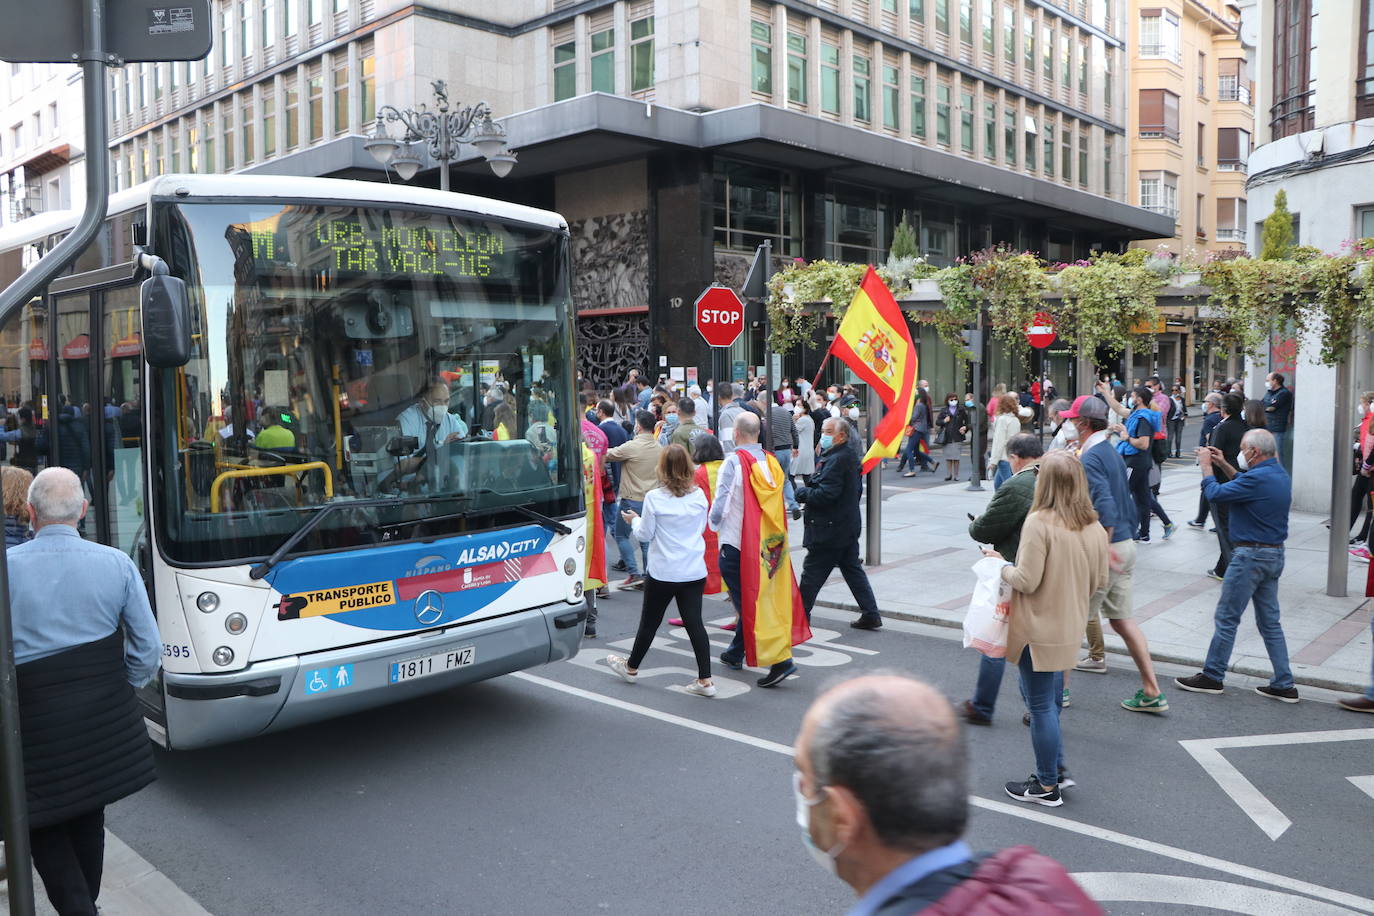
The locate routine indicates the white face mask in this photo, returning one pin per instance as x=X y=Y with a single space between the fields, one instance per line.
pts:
x=1363 y=409
x=1070 y=432
x=825 y=859
x=853 y=413
x=953 y=404
x=437 y=412
x=1242 y=463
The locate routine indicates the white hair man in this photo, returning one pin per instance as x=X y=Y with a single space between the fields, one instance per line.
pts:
x=82 y=629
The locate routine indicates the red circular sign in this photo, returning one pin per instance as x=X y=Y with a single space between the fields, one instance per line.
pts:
x=719 y=316
x=1040 y=334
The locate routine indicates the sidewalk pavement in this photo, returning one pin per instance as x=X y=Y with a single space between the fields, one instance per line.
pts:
x=925 y=576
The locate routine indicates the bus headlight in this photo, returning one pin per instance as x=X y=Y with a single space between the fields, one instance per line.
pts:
x=570 y=566
x=581 y=544
x=208 y=602
x=577 y=589
x=235 y=623
x=223 y=656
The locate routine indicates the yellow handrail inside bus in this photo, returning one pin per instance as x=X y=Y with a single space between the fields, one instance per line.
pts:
x=338 y=423
x=290 y=470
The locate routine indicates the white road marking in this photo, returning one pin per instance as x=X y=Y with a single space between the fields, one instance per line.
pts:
x=1234 y=869
x=1364 y=783
x=1135 y=887
x=1256 y=805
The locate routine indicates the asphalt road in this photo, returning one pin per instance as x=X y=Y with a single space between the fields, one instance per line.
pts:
x=566 y=791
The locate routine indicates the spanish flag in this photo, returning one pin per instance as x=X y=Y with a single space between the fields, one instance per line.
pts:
x=873 y=340
x=595 y=575
x=706 y=480
x=772 y=614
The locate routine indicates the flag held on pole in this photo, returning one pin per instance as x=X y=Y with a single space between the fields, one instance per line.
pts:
x=874 y=342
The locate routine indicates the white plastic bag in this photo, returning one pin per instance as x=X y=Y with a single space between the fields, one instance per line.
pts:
x=985 y=625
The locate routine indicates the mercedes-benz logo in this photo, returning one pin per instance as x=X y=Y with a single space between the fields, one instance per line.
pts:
x=429 y=607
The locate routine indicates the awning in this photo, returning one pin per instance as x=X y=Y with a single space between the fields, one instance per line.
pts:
x=38 y=348
x=79 y=347
x=128 y=346
x=47 y=160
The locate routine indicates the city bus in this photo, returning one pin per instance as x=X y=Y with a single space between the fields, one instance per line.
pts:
x=361 y=479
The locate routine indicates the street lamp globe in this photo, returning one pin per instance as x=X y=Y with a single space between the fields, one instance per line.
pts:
x=406 y=162
x=381 y=146
x=502 y=163
x=489 y=138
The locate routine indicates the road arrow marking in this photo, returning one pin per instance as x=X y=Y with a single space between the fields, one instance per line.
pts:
x=1207 y=752
x=1364 y=783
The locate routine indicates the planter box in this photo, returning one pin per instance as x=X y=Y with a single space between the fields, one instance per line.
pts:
x=926 y=289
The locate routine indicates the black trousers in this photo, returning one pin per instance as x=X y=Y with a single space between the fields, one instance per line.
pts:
x=657 y=596
x=70 y=858
x=1359 y=501
x=1221 y=514
x=821 y=561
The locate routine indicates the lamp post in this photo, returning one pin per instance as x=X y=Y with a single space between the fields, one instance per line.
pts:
x=445 y=131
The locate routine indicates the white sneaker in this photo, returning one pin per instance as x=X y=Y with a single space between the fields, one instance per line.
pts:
x=1094 y=665
x=701 y=690
x=621 y=666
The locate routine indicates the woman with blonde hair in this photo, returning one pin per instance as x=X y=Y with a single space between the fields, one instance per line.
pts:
x=1061 y=561
x=1005 y=424
x=672 y=525
x=14 y=484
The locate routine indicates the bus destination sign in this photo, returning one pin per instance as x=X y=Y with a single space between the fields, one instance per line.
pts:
x=412 y=250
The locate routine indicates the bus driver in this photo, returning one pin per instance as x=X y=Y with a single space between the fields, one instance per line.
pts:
x=432 y=426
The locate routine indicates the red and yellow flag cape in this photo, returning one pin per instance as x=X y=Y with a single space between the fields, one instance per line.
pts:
x=873 y=340
x=595 y=576
x=773 y=617
x=706 y=479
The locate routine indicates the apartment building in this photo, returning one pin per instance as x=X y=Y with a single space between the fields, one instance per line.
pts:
x=1316 y=143
x=1192 y=121
x=676 y=135
x=42 y=151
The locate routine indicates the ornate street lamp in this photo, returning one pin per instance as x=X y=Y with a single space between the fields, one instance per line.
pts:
x=445 y=131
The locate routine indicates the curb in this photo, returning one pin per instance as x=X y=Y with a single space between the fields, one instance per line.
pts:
x=1306 y=681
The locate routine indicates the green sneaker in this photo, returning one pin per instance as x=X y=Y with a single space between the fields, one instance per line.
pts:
x=1141 y=703
x=1065 y=704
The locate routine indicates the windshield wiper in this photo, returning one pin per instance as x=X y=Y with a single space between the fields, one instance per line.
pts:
x=263 y=568
x=552 y=524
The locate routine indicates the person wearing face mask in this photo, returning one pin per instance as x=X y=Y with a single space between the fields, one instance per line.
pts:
x=668 y=424
x=1065 y=435
x=1278 y=414
x=951 y=427
x=432 y=426
x=890 y=825
x=1211 y=417
x=1226 y=437
x=1258 y=495
x=804 y=464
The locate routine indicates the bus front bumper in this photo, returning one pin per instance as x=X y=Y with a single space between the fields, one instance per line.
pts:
x=268 y=696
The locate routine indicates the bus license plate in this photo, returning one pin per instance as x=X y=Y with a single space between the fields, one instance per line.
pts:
x=413 y=668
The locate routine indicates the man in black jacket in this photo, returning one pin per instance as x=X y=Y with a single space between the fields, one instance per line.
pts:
x=1226 y=437
x=833 y=525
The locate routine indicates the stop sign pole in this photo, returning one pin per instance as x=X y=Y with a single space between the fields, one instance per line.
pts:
x=719 y=318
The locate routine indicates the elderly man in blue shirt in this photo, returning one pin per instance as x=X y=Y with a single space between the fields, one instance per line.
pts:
x=1258 y=496
x=84 y=637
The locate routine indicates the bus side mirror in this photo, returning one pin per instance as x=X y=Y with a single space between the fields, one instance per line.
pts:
x=166 y=321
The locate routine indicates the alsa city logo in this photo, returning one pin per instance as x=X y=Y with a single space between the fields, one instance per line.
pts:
x=472 y=556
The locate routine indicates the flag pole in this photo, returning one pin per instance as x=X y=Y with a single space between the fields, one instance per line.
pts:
x=873 y=535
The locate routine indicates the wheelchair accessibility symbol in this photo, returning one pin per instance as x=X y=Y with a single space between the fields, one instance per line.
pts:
x=322 y=679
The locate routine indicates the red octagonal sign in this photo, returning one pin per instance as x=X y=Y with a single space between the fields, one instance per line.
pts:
x=719 y=316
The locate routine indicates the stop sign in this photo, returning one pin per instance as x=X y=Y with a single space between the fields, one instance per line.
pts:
x=719 y=316
x=1040 y=334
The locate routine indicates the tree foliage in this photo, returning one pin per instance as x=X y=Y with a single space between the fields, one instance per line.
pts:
x=1277 y=243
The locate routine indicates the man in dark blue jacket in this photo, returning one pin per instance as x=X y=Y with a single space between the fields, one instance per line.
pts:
x=1116 y=512
x=1278 y=414
x=1211 y=417
x=1258 y=496
x=833 y=525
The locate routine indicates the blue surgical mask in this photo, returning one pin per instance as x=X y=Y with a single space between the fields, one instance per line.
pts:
x=670 y=421
x=827 y=440
x=968 y=403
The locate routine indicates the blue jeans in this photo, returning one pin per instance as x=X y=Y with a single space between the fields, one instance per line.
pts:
x=912 y=454
x=990 y=671
x=1001 y=476
x=1043 y=692
x=623 y=537
x=1253 y=574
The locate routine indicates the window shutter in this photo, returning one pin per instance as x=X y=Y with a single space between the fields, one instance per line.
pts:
x=1229 y=66
x=1151 y=109
x=1228 y=145
x=1170 y=112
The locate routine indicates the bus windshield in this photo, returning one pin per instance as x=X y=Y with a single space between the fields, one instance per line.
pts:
x=354 y=352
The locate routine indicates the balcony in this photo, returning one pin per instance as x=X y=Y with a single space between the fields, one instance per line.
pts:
x=1230 y=89
x=1171 y=212
x=1230 y=235
x=1161 y=52
x=1159 y=132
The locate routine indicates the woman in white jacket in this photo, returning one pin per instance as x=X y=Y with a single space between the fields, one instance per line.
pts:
x=1005 y=424
x=672 y=525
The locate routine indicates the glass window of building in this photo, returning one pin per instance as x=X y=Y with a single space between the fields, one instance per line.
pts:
x=1065 y=60
x=966 y=120
x=269 y=124
x=796 y=69
x=862 y=88
x=753 y=203
x=892 y=97
x=1159 y=114
x=1233 y=149
x=990 y=130
x=315 y=103
x=918 y=106
x=157 y=90
x=159 y=162
x=209 y=145
x=603 y=60
x=1083 y=158
x=989 y=29
x=291 y=112
x=1159 y=193
x=1031 y=143
x=1083 y=67
x=1047 y=148
x=966 y=22
x=942 y=16
x=564 y=71
x=642 y=54
x=245 y=28
x=916 y=10
x=1028 y=41
x=1108 y=64
x=1009 y=143
x=1107 y=165
x=226 y=132
x=1231 y=219
x=1202 y=74
x=937 y=242
x=830 y=78
x=1047 y=52
x=342 y=108
x=1364 y=73
x=1066 y=154
x=942 y=105
x=226 y=43
x=1364 y=221
x=289 y=21
x=193 y=149
x=314 y=11
x=856 y=224
x=1009 y=34
x=367 y=82
x=174 y=148
x=761 y=58
x=267 y=16
x=1159 y=35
